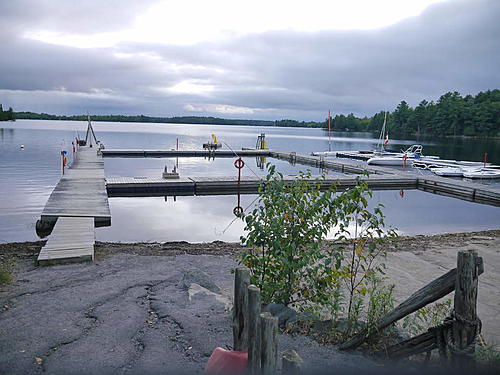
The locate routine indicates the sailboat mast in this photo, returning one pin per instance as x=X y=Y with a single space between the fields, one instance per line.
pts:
x=382 y=134
x=329 y=132
x=89 y=127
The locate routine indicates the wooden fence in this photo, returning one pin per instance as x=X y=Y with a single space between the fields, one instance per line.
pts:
x=256 y=332
x=456 y=337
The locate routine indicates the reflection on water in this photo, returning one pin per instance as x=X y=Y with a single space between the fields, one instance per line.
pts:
x=188 y=167
x=210 y=218
x=27 y=177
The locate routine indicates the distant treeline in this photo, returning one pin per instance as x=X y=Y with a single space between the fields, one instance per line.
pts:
x=174 y=120
x=7 y=115
x=452 y=114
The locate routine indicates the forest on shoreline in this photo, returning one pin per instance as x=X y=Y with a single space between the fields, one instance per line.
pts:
x=7 y=115
x=451 y=115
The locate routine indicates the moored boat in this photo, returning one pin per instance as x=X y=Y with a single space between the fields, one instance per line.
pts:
x=452 y=171
x=412 y=153
x=484 y=173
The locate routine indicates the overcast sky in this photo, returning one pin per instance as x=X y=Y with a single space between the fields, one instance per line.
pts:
x=269 y=59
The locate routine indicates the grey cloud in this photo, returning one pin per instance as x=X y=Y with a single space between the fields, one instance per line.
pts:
x=452 y=46
x=85 y=16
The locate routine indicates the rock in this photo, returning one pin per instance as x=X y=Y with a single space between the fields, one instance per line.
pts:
x=342 y=325
x=285 y=314
x=198 y=277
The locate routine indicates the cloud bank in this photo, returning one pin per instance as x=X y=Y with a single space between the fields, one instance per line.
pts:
x=450 y=46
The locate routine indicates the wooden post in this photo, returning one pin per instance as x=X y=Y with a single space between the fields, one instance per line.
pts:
x=254 y=347
x=292 y=363
x=466 y=324
x=269 y=343
x=240 y=327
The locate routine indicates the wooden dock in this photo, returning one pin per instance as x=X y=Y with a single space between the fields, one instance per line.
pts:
x=78 y=203
x=135 y=187
x=72 y=240
x=133 y=153
x=81 y=191
x=380 y=178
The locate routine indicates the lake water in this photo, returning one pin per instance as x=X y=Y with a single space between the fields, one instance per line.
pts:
x=27 y=177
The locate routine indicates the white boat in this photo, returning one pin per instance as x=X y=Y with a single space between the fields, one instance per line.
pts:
x=413 y=153
x=325 y=153
x=386 y=160
x=452 y=171
x=482 y=173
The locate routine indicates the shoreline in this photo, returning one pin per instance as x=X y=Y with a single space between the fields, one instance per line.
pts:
x=421 y=242
x=148 y=306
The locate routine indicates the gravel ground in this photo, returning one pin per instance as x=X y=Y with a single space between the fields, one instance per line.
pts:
x=163 y=308
x=130 y=314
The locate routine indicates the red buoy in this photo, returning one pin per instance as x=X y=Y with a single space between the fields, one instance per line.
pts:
x=223 y=362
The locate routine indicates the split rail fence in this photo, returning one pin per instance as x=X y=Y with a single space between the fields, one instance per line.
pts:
x=455 y=338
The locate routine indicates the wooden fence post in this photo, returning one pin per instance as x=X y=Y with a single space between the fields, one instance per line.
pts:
x=240 y=326
x=466 y=325
x=269 y=343
x=292 y=363
x=254 y=335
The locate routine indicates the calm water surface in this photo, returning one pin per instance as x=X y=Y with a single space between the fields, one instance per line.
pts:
x=28 y=176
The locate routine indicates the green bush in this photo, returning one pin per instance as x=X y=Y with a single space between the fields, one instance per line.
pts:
x=286 y=250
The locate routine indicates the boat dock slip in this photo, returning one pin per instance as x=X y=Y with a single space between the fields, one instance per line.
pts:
x=78 y=203
x=116 y=153
x=72 y=240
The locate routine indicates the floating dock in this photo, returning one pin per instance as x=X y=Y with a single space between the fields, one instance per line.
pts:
x=380 y=178
x=132 y=153
x=79 y=202
x=80 y=194
x=136 y=187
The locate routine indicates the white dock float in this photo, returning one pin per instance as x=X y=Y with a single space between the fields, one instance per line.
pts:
x=72 y=240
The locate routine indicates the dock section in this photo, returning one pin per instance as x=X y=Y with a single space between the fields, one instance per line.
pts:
x=81 y=191
x=72 y=240
x=134 y=153
x=227 y=185
x=77 y=205
x=379 y=177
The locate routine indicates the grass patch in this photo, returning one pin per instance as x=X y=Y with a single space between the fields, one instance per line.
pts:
x=6 y=270
x=487 y=355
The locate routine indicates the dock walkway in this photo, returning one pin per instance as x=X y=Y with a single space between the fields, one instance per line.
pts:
x=72 y=240
x=81 y=191
x=78 y=203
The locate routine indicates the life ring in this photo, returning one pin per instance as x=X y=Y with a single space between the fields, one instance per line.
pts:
x=239 y=163
x=238 y=211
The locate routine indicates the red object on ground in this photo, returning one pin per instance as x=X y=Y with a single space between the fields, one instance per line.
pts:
x=223 y=362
